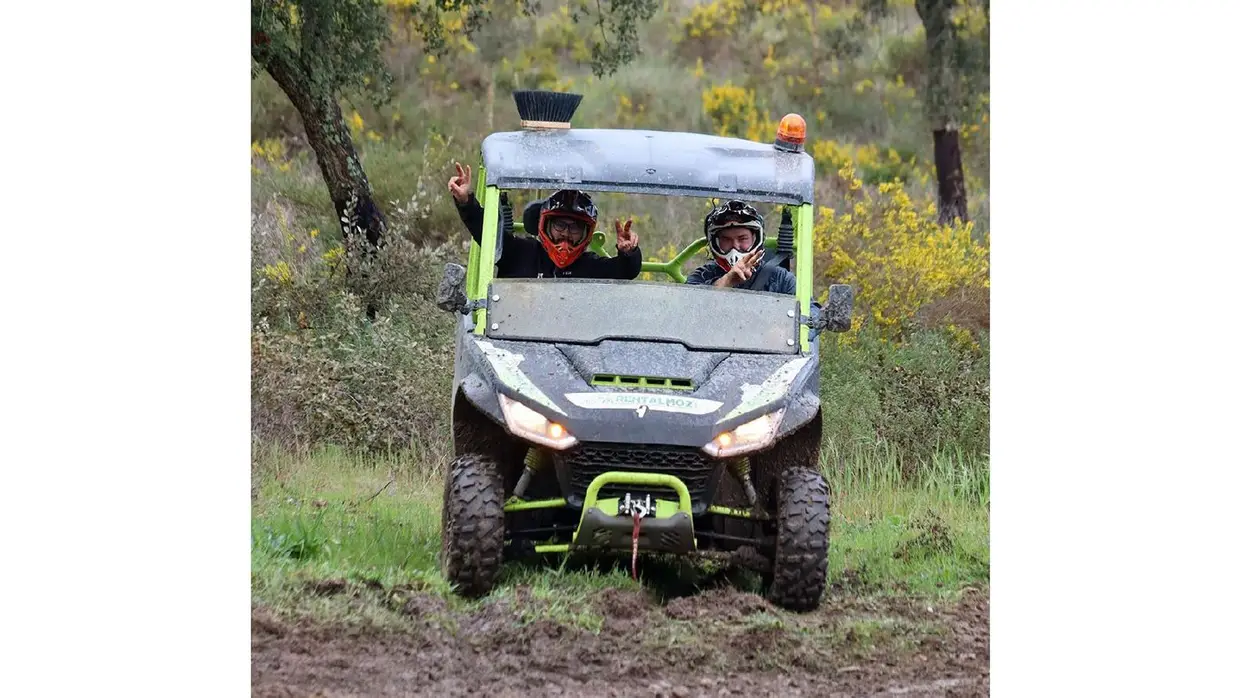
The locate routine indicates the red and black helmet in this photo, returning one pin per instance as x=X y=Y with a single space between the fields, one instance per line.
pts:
x=567 y=203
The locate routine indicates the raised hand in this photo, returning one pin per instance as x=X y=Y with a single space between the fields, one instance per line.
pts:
x=626 y=239
x=459 y=185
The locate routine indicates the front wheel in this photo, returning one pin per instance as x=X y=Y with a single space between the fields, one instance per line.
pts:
x=473 y=524
x=803 y=518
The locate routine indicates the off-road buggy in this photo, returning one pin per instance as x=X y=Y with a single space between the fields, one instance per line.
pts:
x=597 y=415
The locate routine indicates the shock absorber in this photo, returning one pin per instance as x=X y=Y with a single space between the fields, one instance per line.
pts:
x=739 y=468
x=534 y=461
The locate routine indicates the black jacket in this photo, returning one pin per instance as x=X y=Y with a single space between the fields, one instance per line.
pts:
x=780 y=280
x=523 y=256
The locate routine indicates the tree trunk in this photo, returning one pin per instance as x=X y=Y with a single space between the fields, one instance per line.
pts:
x=347 y=184
x=491 y=102
x=950 y=170
x=942 y=105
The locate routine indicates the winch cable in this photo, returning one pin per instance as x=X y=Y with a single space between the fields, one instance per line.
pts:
x=637 y=524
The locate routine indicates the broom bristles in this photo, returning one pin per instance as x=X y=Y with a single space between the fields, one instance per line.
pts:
x=545 y=109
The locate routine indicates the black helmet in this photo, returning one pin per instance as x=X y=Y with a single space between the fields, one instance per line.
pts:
x=732 y=214
x=572 y=202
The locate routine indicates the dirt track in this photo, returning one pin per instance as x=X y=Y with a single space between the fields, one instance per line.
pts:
x=718 y=643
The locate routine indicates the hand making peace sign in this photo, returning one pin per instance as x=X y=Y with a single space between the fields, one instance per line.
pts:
x=626 y=239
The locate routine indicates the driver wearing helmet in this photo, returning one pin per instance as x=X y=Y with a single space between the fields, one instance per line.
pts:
x=564 y=221
x=734 y=235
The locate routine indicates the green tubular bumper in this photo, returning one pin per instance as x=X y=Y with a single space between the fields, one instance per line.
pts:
x=552 y=548
x=514 y=504
x=648 y=479
x=668 y=529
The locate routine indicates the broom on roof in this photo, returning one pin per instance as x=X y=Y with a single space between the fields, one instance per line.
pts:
x=544 y=108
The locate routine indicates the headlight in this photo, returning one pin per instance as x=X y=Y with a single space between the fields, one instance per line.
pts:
x=750 y=436
x=528 y=424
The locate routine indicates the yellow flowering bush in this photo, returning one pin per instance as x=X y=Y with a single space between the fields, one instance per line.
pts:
x=729 y=107
x=279 y=273
x=713 y=20
x=535 y=67
x=873 y=164
x=291 y=264
x=334 y=255
x=801 y=56
x=410 y=16
x=827 y=27
x=455 y=47
x=970 y=20
x=355 y=124
x=729 y=27
x=566 y=38
x=733 y=111
x=631 y=111
x=975 y=133
x=896 y=255
x=699 y=70
x=271 y=153
x=725 y=18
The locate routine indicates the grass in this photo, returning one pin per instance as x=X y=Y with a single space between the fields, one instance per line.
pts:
x=332 y=513
x=329 y=517
x=927 y=533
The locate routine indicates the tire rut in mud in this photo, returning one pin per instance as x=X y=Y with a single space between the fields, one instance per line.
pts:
x=721 y=642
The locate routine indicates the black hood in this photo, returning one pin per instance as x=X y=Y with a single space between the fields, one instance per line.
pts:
x=727 y=389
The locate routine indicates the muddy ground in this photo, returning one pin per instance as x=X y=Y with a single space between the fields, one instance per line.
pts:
x=721 y=642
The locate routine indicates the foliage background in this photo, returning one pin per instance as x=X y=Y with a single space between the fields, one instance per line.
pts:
x=911 y=379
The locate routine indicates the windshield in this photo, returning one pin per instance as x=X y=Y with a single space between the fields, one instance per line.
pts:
x=588 y=311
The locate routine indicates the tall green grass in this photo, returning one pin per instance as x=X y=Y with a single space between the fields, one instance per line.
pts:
x=332 y=515
x=898 y=529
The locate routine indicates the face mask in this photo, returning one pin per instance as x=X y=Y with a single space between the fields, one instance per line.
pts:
x=733 y=256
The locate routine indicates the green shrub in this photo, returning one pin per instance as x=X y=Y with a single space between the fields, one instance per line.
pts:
x=927 y=395
x=322 y=372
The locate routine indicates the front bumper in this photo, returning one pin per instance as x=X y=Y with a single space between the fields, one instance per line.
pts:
x=577 y=469
x=669 y=529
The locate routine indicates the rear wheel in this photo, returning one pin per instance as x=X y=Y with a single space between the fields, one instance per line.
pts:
x=473 y=524
x=803 y=516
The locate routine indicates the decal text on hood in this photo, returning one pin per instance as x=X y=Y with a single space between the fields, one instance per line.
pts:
x=650 y=401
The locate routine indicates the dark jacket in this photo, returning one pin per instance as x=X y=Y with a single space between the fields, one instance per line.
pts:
x=780 y=280
x=523 y=256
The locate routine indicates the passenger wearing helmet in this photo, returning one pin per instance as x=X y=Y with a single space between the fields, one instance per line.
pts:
x=564 y=223
x=735 y=235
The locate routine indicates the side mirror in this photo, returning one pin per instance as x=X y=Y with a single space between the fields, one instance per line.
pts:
x=837 y=316
x=452 y=290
